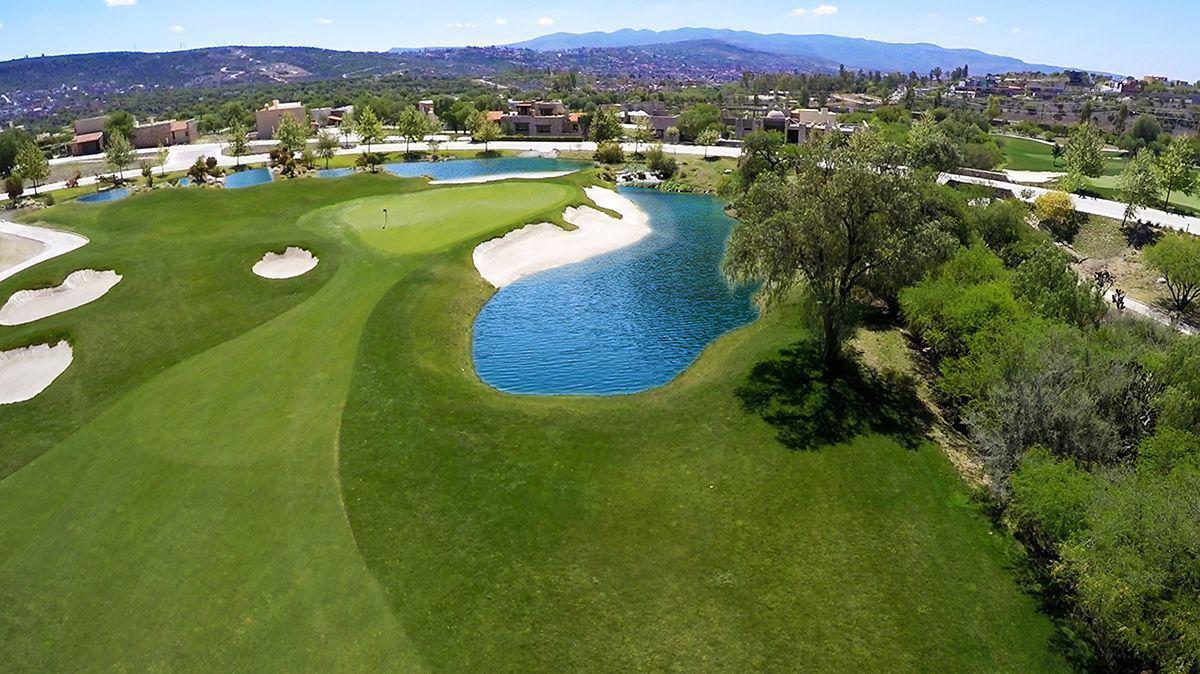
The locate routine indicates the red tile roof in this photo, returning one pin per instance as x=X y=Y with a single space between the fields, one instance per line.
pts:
x=88 y=137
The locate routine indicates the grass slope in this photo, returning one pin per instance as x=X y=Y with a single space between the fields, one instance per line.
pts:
x=175 y=501
x=666 y=530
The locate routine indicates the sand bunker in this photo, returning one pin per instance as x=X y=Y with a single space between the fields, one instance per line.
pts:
x=27 y=371
x=78 y=289
x=527 y=175
x=23 y=246
x=535 y=248
x=293 y=262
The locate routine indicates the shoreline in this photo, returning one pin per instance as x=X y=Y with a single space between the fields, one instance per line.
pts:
x=542 y=246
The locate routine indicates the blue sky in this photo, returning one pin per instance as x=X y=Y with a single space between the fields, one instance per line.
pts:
x=1150 y=36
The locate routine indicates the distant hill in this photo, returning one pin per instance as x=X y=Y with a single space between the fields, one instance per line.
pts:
x=195 y=67
x=854 y=53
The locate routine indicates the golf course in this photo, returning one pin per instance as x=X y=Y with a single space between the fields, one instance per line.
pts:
x=306 y=473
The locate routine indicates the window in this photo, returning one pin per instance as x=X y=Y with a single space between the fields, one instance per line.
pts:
x=543 y=128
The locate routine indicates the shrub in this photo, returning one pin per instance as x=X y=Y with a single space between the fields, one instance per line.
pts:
x=609 y=152
x=1050 y=498
x=1053 y=290
x=1056 y=213
x=661 y=163
x=14 y=187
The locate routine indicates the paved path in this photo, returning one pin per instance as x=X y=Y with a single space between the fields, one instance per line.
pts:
x=1146 y=311
x=1091 y=205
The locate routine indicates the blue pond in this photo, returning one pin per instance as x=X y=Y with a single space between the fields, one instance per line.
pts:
x=623 y=322
x=471 y=168
x=334 y=173
x=115 y=194
x=249 y=178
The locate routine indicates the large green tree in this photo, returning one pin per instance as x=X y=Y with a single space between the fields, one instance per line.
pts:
x=1175 y=167
x=119 y=123
x=846 y=214
x=118 y=153
x=236 y=137
x=603 y=125
x=327 y=145
x=929 y=147
x=32 y=164
x=1084 y=154
x=412 y=125
x=1138 y=184
x=484 y=130
x=367 y=126
x=693 y=121
x=291 y=134
x=1177 y=257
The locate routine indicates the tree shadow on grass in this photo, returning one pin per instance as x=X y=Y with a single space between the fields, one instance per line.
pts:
x=810 y=407
x=1140 y=234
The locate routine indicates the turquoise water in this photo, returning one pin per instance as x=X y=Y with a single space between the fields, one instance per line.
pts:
x=471 y=168
x=335 y=173
x=249 y=178
x=623 y=322
x=115 y=194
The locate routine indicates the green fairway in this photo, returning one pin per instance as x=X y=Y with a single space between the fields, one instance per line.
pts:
x=1026 y=154
x=1107 y=186
x=435 y=219
x=306 y=475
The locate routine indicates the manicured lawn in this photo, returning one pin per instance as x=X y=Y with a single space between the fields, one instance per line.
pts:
x=306 y=475
x=1024 y=154
x=435 y=219
x=1107 y=187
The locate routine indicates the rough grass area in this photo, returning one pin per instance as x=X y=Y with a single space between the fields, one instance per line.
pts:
x=244 y=474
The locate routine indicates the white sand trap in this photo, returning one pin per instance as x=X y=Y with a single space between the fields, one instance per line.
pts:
x=80 y=288
x=27 y=371
x=535 y=248
x=527 y=175
x=291 y=263
x=23 y=246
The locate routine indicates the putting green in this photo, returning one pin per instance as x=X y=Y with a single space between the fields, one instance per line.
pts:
x=436 y=219
x=306 y=475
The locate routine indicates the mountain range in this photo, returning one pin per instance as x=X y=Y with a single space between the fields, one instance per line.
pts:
x=685 y=54
x=854 y=53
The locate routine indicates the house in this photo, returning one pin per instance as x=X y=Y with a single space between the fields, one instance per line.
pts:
x=323 y=117
x=426 y=107
x=166 y=132
x=797 y=126
x=547 y=119
x=90 y=136
x=267 y=119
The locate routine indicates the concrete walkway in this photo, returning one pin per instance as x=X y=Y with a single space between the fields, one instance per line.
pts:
x=1090 y=205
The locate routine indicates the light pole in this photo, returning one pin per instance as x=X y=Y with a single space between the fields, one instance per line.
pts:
x=385 y=218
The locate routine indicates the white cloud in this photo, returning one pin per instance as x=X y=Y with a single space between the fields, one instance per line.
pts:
x=460 y=24
x=324 y=22
x=977 y=19
x=545 y=21
x=1 y=24
x=1017 y=30
x=819 y=10
x=120 y=3
x=176 y=28
x=501 y=22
